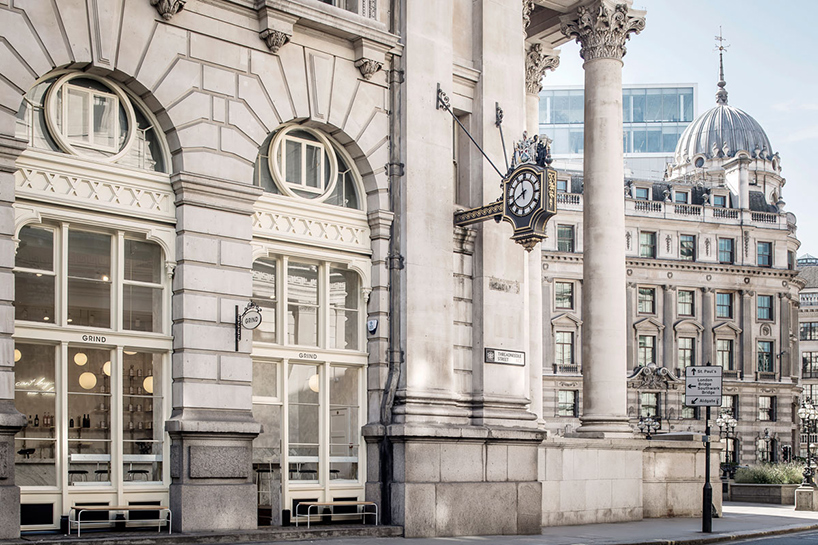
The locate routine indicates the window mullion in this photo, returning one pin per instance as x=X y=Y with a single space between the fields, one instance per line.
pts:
x=284 y=321
x=116 y=413
x=118 y=273
x=323 y=306
x=62 y=278
x=303 y=181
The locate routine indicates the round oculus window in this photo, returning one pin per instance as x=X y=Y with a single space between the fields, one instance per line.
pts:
x=89 y=117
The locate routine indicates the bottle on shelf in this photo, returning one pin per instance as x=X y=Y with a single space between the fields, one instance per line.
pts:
x=30 y=421
x=71 y=423
x=36 y=420
x=150 y=371
x=139 y=390
x=130 y=424
x=139 y=407
x=139 y=372
x=130 y=407
x=131 y=371
x=130 y=390
x=139 y=426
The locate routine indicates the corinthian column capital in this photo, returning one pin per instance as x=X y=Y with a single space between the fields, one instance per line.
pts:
x=537 y=61
x=602 y=27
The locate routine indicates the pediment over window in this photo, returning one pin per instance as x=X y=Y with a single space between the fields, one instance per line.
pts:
x=688 y=325
x=727 y=328
x=648 y=324
x=566 y=320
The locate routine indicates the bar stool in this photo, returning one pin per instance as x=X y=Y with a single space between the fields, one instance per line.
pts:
x=132 y=473
x=75 y=475
x=99 y=473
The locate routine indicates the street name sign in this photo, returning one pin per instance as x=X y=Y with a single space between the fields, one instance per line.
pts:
x=703 y=386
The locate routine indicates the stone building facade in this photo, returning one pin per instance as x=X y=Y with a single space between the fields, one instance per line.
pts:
x=165 y=162
x=710 y=265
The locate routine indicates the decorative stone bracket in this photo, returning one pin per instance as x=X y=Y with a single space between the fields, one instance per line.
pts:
x=168 y=8
x=275 y=28
x=369 y=57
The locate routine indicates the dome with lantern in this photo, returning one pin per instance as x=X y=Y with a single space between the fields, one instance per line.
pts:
x=722 y=132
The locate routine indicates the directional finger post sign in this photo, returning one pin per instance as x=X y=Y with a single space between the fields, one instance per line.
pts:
x=703 y=386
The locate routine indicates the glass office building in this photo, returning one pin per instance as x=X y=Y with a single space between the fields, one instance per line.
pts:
x=654 y=118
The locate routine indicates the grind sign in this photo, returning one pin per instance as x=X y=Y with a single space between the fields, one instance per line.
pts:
x=251 y=319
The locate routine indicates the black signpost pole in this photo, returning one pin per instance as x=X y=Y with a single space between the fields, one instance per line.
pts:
x=707 y=492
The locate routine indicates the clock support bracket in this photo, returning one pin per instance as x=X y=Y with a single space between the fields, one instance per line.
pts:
x=529 y=188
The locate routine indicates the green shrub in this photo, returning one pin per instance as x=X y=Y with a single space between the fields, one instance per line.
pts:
x=790 y=473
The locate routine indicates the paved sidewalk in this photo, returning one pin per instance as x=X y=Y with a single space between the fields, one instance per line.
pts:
x=740 y=520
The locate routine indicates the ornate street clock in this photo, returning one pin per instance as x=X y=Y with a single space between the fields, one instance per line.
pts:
x=529 y=196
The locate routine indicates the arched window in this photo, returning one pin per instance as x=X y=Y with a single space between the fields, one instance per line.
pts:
x=90 y=117
x=304 y=163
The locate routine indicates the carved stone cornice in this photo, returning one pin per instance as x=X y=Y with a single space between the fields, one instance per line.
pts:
x=368 y=67
x=274 y=39
x=601 y=28
x=168 y=8
x=537 y=61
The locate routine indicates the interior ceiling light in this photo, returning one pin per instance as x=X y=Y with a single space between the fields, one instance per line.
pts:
x=88 y=380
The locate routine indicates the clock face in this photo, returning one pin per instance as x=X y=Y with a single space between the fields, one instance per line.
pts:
x=523 y=194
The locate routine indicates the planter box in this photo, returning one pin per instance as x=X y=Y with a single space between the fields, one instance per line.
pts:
x=779 y=494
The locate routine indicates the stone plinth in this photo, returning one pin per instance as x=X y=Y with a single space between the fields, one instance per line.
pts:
x=806 y=498
x=673 y=478
x=465 y=481
x=591 y=480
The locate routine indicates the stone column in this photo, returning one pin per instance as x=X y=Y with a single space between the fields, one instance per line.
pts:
x=744 y=350
x=630 y=298
x=212 y=426
x=784 y=336
x=11 y=421
x=601 y=28
x=547 y=328
x=707 y=325
x=667 y=332
x=537 y=61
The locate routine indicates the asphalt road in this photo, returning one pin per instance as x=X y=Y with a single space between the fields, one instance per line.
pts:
x=802 y=538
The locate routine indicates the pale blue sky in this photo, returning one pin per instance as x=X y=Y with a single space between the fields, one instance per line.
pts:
x=770 y=69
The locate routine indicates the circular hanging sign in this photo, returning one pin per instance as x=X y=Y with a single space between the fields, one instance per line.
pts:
x=251 y=319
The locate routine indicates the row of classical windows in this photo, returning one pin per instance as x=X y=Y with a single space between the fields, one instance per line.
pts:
x=565 y=359
x=71 y=276
x=650 y=405
x=564 y=299
x=687 y=246
x=725 y=353
x=685 y=305
x=680 y=196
